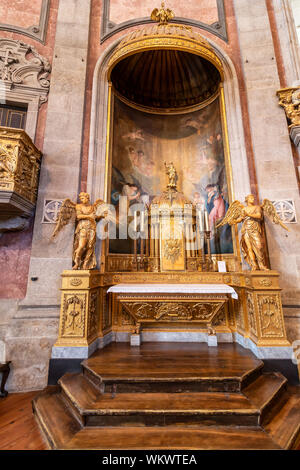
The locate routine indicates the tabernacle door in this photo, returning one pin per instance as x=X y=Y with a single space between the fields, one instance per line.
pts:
x=172 y=255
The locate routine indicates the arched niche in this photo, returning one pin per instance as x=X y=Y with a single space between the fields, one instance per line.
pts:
x=185 y=40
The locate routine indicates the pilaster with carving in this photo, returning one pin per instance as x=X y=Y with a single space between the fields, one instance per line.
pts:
x=264 y=310
x=80 y=308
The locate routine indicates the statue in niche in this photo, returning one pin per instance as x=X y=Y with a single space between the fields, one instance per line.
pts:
x=86 y=215
x=252 y=240
x=162 y=15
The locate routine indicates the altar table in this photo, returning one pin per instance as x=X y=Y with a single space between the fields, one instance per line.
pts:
x=175 y=288
x=160 y=305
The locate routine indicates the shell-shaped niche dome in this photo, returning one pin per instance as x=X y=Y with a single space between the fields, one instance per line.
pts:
x=165 y=67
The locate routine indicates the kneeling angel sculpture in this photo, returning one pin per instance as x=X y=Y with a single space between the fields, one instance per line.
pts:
x=252 y=240
x=85 y=215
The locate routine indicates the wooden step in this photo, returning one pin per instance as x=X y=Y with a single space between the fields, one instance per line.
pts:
x=172 y=438
x=175 y=368
x=284 y=427
x=55 y=418
x=63 y=431
x=157 y=409
x=266 y=389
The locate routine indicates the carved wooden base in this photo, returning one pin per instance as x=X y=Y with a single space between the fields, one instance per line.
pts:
x=80 y=307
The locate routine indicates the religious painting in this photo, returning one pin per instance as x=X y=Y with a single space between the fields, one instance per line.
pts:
x=142 y=142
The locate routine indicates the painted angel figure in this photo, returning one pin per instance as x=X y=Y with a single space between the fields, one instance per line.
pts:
x=86 y=215
x=252 y=240
x=161 y=15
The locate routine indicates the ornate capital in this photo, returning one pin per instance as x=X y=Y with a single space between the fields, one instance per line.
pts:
x=22 y=67
x=289 y=99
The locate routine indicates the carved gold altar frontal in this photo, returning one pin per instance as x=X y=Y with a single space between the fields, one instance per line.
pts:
x=165 y=309
x=88 y=312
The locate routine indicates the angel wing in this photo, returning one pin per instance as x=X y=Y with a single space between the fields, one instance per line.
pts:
x=101 y=208
x=66 y=213
x=154 y=14
x=270 y=211
x=170 y=14
x=235 y=212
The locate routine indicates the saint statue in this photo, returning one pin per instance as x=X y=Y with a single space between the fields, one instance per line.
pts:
x=252 y=240
x=86 y=215
x=172 y=175
x=161 y=15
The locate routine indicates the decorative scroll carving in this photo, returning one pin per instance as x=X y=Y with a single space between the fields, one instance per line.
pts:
x=173 y=311
x=289 y=99
x=76 y=282
x=73 y=315
x=265 y=282
x=126 y=318
x=22 y=67
x=270 y=316
x=220 y=319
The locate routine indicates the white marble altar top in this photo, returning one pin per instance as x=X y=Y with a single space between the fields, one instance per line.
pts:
x=175 y=288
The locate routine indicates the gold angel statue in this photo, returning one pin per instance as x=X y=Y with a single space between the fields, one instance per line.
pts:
x=252 y=240
x=161 y=15
x=86 y=215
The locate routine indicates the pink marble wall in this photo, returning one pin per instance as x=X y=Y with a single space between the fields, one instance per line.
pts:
x=15 y=248
x=203 y=10
x=22 y=13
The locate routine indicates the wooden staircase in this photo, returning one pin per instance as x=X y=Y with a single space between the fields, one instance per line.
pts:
x=172 y=396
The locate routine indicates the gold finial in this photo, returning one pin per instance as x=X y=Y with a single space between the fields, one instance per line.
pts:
x=162 y=15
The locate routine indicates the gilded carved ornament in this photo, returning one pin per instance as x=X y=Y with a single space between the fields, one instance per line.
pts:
x=19 y=176
x=289 y=99
x=162 y=15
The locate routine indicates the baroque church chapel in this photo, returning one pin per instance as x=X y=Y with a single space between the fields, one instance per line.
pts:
x=149 y=225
